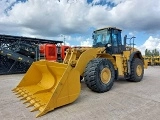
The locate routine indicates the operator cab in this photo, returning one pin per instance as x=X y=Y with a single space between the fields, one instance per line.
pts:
x=110 y=38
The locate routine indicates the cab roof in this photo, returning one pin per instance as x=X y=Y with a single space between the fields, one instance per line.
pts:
x=108 y=28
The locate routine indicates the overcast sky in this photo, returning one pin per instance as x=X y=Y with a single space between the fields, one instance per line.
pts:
x=76 y=19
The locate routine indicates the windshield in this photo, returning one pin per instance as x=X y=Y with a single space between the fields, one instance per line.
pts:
x=101 y=38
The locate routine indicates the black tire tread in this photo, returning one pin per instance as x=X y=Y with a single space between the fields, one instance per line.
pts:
x=90 y=75
x=133 y=76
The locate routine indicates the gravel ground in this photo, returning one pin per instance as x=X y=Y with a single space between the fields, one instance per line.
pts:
x=125 y=101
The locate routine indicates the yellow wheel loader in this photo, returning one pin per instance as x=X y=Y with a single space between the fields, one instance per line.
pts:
x=48 y=85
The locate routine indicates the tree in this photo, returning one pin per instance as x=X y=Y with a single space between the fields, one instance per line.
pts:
x=149 y=53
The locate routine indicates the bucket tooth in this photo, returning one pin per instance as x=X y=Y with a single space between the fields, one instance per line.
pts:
x=24 y=97
x=31 y=104
x=15 y=89
x=37 y=106
x=22 y=93
x=19 y=96
x=42 y=112
x=19 y=92
x=27 y=100
x=34 y=109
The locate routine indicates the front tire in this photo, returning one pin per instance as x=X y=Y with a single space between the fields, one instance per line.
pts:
x=99 y=75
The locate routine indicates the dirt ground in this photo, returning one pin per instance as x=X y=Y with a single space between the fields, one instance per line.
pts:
x=125 y=101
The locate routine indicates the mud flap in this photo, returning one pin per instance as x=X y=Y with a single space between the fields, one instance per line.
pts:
x=48 y=85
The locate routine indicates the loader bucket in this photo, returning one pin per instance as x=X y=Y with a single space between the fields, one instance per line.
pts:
x=48 y=85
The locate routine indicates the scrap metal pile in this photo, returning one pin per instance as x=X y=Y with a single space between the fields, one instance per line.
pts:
x=18 y=53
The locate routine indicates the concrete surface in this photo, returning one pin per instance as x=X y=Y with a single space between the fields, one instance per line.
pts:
x=125 y=101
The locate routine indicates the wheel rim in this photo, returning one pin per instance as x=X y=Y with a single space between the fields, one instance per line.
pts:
x=139 y=70
x=105 y=75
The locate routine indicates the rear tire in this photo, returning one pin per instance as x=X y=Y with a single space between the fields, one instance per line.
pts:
x=99 y=75
x=137 y=70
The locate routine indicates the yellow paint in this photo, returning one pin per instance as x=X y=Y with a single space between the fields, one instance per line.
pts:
x=105 y=75
x=120 y=64
x=139 y=70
